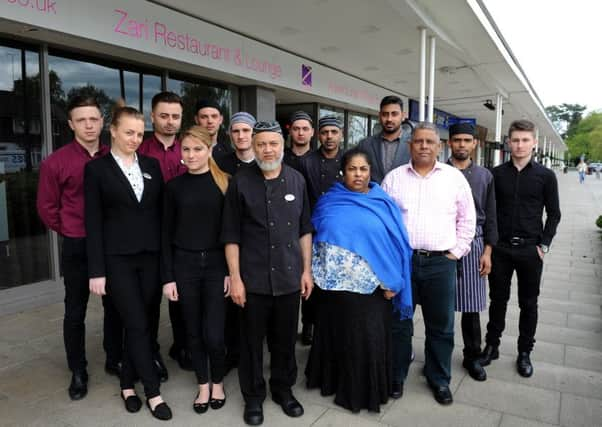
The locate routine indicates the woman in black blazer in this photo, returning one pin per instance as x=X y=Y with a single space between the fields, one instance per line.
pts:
x=123 y=199
x=194 y=265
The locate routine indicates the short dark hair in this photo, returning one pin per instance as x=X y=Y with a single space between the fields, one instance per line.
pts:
x=391 y=99
x=82 y=101
x=521 y=125
x=353 y=152
x=168 y=97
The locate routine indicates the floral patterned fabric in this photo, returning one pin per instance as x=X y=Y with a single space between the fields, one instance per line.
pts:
x=337 y=269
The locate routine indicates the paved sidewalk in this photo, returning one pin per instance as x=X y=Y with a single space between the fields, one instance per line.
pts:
x=566 y=388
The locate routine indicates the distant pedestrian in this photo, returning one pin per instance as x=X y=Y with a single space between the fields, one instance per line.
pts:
x=582 y=170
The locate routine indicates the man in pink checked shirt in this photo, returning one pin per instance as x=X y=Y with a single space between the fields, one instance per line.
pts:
x=438 y=211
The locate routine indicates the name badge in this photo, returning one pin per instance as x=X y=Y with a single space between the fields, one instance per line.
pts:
x=146 y=176
x=289 y=197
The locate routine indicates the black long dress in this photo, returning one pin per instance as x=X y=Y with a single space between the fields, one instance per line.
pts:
x=351 y=352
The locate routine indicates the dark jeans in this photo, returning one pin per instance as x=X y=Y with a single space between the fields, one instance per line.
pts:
x=133 y=284
x=276 y=317
x=471 y=335
x=528 y=266
x=200 y=281
x=178 y=326
x=434 y=288
x=77 y=292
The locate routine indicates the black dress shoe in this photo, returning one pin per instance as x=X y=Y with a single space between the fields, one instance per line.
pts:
x=307 y=334
x=489 y=353
x=78 y=389
x=523 y=365
x=475 y=370
x=253 y=414
x=396 y=390
x=289 y=404
x=200 y=408
x=442 y=394
x=160 y=368
x=132 y=403
x=161 y=412
x=113 y=368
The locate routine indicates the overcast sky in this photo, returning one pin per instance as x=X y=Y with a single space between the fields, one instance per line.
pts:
x=558 y=44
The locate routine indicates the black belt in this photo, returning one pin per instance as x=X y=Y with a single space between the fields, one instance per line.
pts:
x=429 y=253
x=519 y=241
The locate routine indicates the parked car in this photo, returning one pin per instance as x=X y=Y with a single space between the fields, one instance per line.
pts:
x=592 y=167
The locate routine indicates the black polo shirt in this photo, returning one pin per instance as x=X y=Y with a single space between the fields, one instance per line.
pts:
x=230 y=163
x=520 y=200
x=291 y=159
x=320 y=173
x=266 y=218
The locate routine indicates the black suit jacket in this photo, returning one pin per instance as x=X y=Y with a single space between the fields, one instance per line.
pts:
x=116 y=223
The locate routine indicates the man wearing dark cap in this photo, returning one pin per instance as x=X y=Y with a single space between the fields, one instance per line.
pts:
x=241 y=134
x=471 y=297
x=209 y=116
x=388 y=149
x=267 y=236
x=301 y=132
x=321 y=169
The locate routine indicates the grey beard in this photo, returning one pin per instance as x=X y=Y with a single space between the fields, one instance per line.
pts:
x=270 y=166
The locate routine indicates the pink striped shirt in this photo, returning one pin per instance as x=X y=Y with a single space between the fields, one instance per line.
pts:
x=437 y=209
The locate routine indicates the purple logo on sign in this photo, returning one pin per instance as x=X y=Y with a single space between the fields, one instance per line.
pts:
x=305 y=75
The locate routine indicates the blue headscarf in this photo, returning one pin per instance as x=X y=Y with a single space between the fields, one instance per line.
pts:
x=369 y=225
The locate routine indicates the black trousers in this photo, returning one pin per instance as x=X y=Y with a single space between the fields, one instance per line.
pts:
x=200 y=281
x=77 y=292
x=277 y=317
x=505 y=260
x=471 y=334
x=308 y=312
x=133 y=284
x=232 y=333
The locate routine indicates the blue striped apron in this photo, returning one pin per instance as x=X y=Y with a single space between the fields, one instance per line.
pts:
x=471 y=295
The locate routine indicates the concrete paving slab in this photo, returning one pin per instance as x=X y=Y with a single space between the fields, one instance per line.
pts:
x=585 y=323
x=514 y=421
x=578 y=411
x=569 y=336
x=516 y=399
x=569 y=306
x=590 y=298
x=584 y=358
x=335 y=418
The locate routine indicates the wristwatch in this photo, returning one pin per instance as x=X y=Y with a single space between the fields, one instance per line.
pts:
x=544 y=248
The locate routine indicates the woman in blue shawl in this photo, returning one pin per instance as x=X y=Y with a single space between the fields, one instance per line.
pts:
x=361 y=265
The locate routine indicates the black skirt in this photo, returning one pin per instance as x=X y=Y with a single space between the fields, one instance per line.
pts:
x=351 y=352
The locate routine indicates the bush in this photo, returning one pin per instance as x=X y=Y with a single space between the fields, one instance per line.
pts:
x=599 y=221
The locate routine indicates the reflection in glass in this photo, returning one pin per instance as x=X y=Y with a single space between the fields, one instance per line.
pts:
x=357 y=128
x=376 y=127
x=24 y=249
x=131 y=82
x=151 y=86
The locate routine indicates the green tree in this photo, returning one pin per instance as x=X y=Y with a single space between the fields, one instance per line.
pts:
x=586 y=138
x=565 y=117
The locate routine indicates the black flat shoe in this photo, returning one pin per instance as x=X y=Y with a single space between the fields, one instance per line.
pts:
x=489 y=353
x=161 y=412
x=523 y=365
x=132 y=403
x=475 y=370
x=290 y=405
x=217 y=403
x=200 y=408
x=396 y=390
x=253 y=414
x=78 y=389
x=160 y=368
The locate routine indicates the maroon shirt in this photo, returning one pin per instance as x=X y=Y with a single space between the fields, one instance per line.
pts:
x=60 y=199
x=170 y=160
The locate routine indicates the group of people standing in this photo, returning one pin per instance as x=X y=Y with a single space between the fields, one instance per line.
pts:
x=235 y=236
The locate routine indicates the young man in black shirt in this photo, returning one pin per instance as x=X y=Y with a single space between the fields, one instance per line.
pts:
x=300 y=133
x=523 y=188
x=241 y=134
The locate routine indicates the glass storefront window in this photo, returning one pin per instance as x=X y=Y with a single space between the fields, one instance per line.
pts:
x=192 y=91
x=357 y=128
x=151 y=85
x=375 y=125
x=24 y=243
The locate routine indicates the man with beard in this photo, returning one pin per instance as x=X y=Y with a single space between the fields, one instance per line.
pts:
x=301 y=132
x=241 y=134
x=267 y=236
x=163 y=145
x=471 y=296
x=388 y=149
x=321 y=169
x=209 y=116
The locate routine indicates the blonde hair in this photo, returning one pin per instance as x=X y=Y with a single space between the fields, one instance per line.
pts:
x=201 y=134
